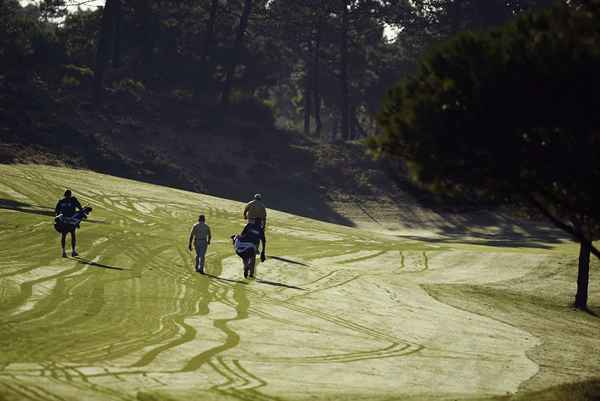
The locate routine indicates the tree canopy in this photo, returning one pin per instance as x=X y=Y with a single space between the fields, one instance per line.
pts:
x=320 y=65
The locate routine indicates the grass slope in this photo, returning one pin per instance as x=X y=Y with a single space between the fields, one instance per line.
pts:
x=336 y=313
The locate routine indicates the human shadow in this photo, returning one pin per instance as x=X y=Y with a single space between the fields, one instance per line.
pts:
x=22 y=207
x=95 y=264
x=293 y=287
x=288 y=260
x=229 y=280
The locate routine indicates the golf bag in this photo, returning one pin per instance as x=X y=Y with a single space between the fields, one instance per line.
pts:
x=64 y=224
x=242 y=248
x=246 y=251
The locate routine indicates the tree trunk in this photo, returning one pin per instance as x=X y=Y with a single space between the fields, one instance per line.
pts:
x=118 y=16
x=316 y=77
x=585 y=248
x=103 y=50
x=583 y=275
x=237 y=49
x=150 y=28
x=207 y=56
x=333 y=136
x=357 y=129
x=307 y=100
x=344 y=109
x=454 y=15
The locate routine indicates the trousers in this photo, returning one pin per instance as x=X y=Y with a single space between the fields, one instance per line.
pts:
x=200 y=247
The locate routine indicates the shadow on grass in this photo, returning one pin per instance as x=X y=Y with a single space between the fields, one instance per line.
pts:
x=452 y=219
x=22 y=207
x=17 y=206
x=591 y=312
x=580 y=391
x=288 y=260
x=95 y=264
x=279 y=284
x=484 y=240
x=229 y=280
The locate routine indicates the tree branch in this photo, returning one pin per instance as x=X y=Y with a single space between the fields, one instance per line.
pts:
x=563 y=226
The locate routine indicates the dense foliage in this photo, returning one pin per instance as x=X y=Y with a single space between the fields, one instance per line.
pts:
x=511 y=114
x=318 y=64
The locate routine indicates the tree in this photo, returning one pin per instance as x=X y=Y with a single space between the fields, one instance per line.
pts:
x=206 y=57
x=105 y=38
x=237 y=49
x=117 y=22
x=512 y=115
x=316 y=78
x=344 y=100
x=52 y=9
x=447 y=17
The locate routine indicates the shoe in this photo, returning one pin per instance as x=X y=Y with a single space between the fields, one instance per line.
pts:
x=74 y=253
x=201 y=271
x=64 y=254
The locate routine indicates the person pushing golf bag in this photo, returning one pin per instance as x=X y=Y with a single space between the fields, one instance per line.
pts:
x=247 y=243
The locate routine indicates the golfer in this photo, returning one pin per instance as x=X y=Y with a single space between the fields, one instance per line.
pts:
x=246 y=246
x=66 y=208
x=255 y=209
x=200 y=236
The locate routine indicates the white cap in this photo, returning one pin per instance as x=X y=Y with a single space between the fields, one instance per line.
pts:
x=257 y=196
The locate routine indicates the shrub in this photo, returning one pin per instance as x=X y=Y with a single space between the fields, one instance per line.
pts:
x=131 y=87
x=249 y=108
x=70 y=81
x=75 y=75
x=81 y=72
x=182 y=94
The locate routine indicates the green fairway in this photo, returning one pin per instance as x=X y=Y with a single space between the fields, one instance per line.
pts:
x=336 y=313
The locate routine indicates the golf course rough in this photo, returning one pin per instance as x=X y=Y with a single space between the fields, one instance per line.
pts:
x=336 y=312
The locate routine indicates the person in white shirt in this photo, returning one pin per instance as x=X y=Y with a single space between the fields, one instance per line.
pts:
x=255 y=209
x=200 y=236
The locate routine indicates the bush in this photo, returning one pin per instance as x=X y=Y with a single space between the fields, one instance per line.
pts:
x=251 y=109
x=80 y=72
x=69 y=81
x=75 y=75
x=131 y=87
x=182 y=94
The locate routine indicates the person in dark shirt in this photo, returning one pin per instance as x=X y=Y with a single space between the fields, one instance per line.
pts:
x=67 y=207
x=247 y=244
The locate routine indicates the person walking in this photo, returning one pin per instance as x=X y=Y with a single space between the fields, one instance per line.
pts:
x=255 y=209
x=247 y=243
x=200 y=236
x=66 y=209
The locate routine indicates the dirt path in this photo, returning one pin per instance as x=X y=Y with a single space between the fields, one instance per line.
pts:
x=336 y=312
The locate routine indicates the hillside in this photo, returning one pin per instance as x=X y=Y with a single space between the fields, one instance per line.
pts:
x=176 y=142
x=336 y=312
x=166 y=140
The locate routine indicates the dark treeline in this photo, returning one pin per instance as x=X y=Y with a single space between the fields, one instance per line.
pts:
x=321 y=66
